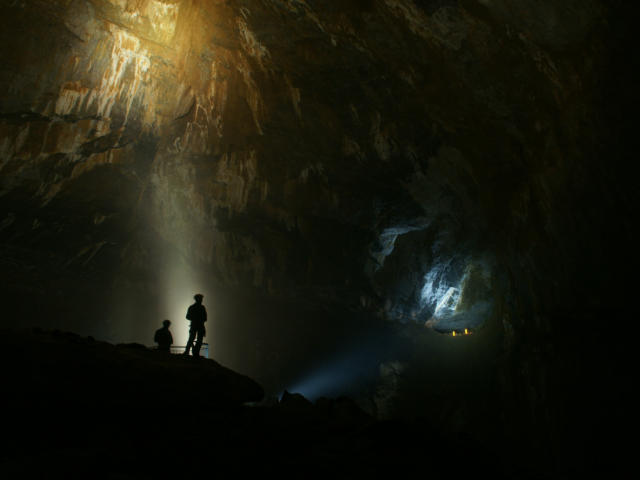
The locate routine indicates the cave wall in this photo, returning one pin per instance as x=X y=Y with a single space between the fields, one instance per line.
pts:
x=262 y=155
x=315 y=154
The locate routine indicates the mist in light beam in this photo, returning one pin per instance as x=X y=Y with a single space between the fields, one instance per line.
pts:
x=179 y=284
x=346 y=372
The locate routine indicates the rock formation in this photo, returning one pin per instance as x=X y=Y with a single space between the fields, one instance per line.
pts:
x=322 y=168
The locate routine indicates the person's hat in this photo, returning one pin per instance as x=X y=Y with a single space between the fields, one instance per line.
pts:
x=166 y=323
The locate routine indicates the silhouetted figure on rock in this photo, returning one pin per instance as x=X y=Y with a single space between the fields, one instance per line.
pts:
x=198 y=315
x=163 y=337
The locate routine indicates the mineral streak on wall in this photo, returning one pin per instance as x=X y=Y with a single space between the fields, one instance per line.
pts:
x=124 y=101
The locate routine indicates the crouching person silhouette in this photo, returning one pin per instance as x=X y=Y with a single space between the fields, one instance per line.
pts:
x=197 y=314
x=163 y=337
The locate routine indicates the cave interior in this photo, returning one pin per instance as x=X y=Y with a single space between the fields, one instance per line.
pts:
x=424 y=205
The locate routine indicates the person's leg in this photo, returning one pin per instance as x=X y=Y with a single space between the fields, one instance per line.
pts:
x=192 y=334
x=196 y=348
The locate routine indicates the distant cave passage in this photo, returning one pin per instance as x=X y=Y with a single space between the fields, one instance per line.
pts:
x=456 y=296
x=425 y=276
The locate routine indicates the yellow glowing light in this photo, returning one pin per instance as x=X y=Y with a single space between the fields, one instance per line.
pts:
x=466 y=331
x=454 y=333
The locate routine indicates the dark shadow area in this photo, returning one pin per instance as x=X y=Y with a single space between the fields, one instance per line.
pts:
x=82 y=407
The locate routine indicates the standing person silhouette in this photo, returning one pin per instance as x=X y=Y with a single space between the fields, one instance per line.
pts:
x=198 y=315
x=163 y=337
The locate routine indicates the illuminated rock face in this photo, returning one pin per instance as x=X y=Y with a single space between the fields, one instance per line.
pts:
x=346 y=154
x=342 y=123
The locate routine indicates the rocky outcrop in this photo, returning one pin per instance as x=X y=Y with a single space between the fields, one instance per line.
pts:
x=258 y=139
x=65 y=368
x=81 y=407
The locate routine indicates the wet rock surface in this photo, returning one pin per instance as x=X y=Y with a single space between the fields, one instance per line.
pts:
x=287 y=146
